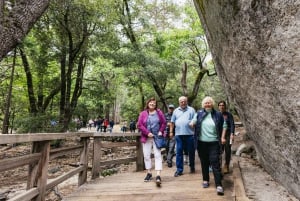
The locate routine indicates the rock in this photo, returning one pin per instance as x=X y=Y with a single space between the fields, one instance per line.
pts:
x=255 y=48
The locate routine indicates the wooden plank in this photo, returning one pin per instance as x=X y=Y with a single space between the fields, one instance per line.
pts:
x=42 y=173
x=11 y=163
x=54 y=153
x=117 y=161
x=26 y=196
x=118 y=144
x=239 y=189
x=117 y=134
x=131 y=186
x=84 y=159
x=33 y=137
x=54 y=182
x=96 y=157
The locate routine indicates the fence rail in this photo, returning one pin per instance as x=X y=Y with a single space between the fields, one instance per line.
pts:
x=41 y=153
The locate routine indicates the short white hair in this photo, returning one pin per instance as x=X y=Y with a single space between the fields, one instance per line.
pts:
x=182 y=98
x=208 y=99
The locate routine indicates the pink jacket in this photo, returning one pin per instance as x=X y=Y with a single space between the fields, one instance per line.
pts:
x=142 y=124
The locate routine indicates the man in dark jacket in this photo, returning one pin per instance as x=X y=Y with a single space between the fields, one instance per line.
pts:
x=171 y=141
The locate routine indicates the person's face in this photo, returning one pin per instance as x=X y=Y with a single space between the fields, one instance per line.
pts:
x=208 y=105
x=171 y=109
x=222 y=107
x=183 y=103
x=152 y=104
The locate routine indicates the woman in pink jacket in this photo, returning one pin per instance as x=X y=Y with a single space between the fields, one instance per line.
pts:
x=151 y=122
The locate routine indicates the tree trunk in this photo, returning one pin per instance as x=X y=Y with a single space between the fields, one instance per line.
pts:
x=16 y=23
x=8 y=98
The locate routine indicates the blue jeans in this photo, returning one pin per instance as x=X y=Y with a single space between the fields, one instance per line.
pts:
x=182 y=142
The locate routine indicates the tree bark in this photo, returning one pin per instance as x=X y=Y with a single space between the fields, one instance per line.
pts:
x=18 y=21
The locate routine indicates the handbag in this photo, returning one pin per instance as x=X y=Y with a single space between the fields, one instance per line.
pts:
x=160 y=141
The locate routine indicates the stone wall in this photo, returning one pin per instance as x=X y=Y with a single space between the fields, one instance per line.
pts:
x=256 y=49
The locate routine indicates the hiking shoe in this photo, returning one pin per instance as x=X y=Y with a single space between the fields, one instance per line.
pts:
x=148 y=177
x=205 y=184
x=225 y=169
x=220 y=190
x=192 y=171
x=158 y=180
x=177 y=174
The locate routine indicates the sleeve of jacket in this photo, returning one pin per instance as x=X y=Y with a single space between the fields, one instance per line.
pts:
x=231 y=121
x=142 y=123
x=163 y=122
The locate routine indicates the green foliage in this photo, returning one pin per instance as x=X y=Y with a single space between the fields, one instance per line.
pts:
x=120 y=73
x=36 y=124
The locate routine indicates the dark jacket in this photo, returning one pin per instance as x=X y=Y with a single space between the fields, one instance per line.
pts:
x=217 y=118
x=230 y=123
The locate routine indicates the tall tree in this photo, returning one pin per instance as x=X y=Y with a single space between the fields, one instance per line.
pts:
x=16 y=19
x=8 y=98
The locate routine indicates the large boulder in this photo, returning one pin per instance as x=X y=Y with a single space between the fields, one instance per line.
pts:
x=256 y=49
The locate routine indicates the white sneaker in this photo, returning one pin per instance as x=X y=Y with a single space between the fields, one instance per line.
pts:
x=220 y=190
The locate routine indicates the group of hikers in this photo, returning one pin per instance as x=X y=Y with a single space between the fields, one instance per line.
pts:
x=208 y=131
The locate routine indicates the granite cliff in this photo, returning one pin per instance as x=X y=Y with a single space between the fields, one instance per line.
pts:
x=256 y=50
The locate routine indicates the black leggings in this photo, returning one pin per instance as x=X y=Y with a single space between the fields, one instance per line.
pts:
x=209 y=154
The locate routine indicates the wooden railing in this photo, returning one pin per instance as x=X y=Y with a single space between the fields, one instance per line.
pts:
x=41 y=154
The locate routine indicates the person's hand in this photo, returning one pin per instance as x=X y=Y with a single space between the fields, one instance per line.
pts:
x=159 y=133
x=232 y=138
x=150 y=135
x=223 y=140
x=171 y=135
x=191 y=124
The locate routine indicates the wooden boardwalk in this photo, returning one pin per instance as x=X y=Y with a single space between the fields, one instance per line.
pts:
x=131 y=187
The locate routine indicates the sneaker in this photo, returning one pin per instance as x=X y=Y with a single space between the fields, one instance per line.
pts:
x=205 y=184
x=220 y=190
x=148 y=177
x=158 y=180
x=177 y=174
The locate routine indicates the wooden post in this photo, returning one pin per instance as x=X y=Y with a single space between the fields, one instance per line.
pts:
x=96 y=157
x=38 y=173
x=84 y=159
x=139 y=155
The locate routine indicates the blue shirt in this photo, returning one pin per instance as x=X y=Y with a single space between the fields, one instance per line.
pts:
x=181 y=118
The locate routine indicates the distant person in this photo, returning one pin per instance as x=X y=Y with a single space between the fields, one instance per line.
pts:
x=171 y=140
x=90 y=124
x=228 y=118
x=184 y=135
x=210 y=130
x=111 y=125
x=151 y=122
x=105 y=124
x=132 y=126
x=99 y=123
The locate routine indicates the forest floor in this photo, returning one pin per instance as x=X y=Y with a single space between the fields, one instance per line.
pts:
x=259 y=185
